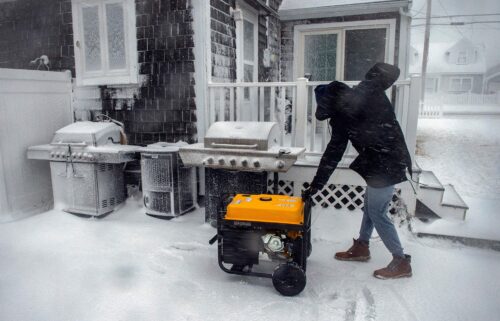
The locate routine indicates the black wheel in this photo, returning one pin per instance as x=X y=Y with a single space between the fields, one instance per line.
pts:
x=289 y=279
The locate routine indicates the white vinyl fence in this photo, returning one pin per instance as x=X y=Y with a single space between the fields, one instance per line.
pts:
x=466 y=103
x=33 y=105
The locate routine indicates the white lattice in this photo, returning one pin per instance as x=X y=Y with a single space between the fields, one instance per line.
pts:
x=339 y=196
x=336 y=195
x=284 y=187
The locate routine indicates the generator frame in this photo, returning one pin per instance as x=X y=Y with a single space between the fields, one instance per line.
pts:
x=224 y=225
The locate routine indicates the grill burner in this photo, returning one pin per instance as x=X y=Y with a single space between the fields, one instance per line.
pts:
x=86 y=162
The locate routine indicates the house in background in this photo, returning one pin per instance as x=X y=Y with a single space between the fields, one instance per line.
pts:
x=169 y=68
x=453 y=68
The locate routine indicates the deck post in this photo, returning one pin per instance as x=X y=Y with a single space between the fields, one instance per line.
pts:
x=414 y=104
x=301 y=113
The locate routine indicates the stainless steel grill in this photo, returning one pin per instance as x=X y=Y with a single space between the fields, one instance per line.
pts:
x=238 y=157
x=245 y=146
x=86 y=162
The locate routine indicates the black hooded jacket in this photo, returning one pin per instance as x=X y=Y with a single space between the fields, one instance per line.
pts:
x=365 y=116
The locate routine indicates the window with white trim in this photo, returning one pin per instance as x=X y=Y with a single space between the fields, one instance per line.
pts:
x=460 y=84
x=431 y=85
x=462 y=58
x=105 y=42
x=342 y=50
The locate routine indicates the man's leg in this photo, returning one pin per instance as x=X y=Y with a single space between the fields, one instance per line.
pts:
x=359 y=251
x=378 y=204
x=366 y=230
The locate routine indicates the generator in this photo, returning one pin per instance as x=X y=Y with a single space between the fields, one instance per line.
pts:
x=264 y=227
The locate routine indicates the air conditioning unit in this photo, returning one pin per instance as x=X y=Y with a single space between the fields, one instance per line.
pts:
x=168 y=187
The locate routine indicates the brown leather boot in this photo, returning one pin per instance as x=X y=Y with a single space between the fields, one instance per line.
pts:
x=398 y=268
x=359 y=251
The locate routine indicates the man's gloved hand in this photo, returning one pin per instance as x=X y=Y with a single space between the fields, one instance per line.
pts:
x=313 y=189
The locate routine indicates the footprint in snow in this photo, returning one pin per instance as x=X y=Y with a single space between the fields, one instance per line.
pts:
x=162 y=260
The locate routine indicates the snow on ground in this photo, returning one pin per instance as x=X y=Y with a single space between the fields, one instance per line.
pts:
x=463 y=151
x=128 y=266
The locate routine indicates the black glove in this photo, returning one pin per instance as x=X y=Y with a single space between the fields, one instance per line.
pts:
x=311 y=190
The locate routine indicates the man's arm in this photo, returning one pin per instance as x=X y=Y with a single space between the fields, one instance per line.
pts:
x=332 y=155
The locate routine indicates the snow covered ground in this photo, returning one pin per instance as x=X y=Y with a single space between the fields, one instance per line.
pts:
x=463 y=151
x=128 y=266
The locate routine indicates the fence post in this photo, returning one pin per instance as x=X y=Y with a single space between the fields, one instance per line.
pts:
x=301 y=113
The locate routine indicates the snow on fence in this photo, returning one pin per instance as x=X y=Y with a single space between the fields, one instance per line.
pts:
x=33 y=105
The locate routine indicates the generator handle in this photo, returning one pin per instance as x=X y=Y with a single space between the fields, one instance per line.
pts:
x=307 y=199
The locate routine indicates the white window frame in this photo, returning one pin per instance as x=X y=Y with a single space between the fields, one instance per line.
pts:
x=128 y=75
x=461 y=79
x=435 y=82
x=464 y=57
x=341 y=27
x=250 y=14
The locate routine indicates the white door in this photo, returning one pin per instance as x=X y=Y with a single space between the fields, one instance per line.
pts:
x=247 y=59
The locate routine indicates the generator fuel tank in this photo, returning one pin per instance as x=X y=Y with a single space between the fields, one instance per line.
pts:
x=266 y=208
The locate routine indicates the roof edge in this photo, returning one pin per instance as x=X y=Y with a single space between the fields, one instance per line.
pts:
x=342 y=10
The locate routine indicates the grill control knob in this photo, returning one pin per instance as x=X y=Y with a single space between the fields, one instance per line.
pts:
x=209 y=161
x=232 y=161
x=52 y=154
x=73 y=155
x=244 y=162
x=280 y=164
x=221 y=161
x=256 y=163
x=79 y=155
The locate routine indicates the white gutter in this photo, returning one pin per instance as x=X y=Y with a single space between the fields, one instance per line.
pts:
x=343 y=10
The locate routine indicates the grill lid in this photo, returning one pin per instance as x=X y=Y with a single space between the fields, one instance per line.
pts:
x=242 y=135
x=89 y=133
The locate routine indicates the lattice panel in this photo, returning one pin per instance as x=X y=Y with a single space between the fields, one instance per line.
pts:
x=284 y=187
x=337 y=196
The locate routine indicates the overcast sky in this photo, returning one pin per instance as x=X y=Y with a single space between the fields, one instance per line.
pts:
x=487 y=34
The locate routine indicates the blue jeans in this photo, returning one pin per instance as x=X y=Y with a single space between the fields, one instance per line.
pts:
x=375 y=216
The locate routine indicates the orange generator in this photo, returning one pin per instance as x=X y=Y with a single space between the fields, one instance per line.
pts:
x=274 y=228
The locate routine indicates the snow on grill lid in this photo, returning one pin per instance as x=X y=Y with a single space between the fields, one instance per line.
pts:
x=242 y=135
x=92 y=133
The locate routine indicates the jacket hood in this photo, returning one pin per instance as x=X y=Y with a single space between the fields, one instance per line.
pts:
x=330 y=99
x=382 y=75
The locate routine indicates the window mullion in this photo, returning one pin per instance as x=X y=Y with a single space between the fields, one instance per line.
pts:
x=104 y=39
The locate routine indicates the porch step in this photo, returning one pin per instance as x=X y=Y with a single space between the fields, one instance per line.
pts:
x=444 y=201
x=430 y=181
x=452 y=198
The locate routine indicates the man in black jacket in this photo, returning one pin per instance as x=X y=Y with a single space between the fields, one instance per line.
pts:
x=365 y=116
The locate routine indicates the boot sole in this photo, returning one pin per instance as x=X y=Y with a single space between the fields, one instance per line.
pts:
x=355 y=259
x=381 y=277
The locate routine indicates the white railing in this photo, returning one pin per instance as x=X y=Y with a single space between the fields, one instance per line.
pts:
x=293 y=105
x=463 y=99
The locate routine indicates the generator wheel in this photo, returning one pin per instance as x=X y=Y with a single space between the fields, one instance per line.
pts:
x=289 y=279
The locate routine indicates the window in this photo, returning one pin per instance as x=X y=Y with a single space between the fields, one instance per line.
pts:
x=462 y=58
x=431 y=85
x=460 y=85
x=342 y=51
x=105 y=42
